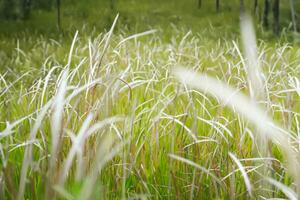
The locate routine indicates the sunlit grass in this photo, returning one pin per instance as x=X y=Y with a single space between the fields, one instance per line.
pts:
x=106 y=117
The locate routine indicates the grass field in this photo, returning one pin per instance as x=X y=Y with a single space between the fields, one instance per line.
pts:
x=153 y=111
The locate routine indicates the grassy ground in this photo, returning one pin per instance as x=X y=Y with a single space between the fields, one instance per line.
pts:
x=106 y=117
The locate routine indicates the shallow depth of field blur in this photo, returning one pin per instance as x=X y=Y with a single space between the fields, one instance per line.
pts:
x=149 y=99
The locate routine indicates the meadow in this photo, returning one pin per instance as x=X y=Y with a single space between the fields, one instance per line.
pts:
x=187 y=108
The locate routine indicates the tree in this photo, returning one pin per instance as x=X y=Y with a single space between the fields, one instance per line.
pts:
x=255 y=7
x=217 y=5
x=293 y=15
x=199 y=3
x=26 y=7
x=58 y=6
x=276 y=17
x=266 y=14
x=242 y=6
x=112 y=4
x=43 y=4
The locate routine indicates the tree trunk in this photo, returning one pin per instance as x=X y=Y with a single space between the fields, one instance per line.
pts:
x=242 y=6
x=217 y=5
x=58 y=6
x=276 y=17
x=26 y=8
x=266 y=14
x=199 y=4
x=293 y=15
x=255 y=7
x=112 y=4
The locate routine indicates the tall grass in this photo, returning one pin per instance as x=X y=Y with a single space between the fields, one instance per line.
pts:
x=106 y=117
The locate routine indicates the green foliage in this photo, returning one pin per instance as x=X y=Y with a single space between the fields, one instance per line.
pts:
x=43 y=4
x=135 y=15
x=11 y=9
x=20 y=9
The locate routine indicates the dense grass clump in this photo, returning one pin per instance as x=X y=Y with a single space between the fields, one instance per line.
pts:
x=107 y=117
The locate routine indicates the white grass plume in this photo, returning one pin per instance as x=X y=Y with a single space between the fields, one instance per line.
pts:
x=255 y=81
x=28 y=151
x=46 y=84
x=136 y=36
x=9 y=127
x=253 y=70
x=109 y=34
x=76 y=148
x=78 y=141
x=72 y=49
x=105 y=152
x=244 y=106
x=244 y=173
x=285 y=189
x=57 y=116
x=237 y=101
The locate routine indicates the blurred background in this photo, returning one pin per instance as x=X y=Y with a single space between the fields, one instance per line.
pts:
x=57 y=17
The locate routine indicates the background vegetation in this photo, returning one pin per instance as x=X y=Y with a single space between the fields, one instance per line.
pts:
x=110 y=99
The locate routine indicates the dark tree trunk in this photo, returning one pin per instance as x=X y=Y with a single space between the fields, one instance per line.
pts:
x=242 y=6
x=112 y=4
x=199 y=4
x=217 y=5
x=255 y=7
x=266 y=14
x=276 y=17
x=26 y=8
x=58 y=6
